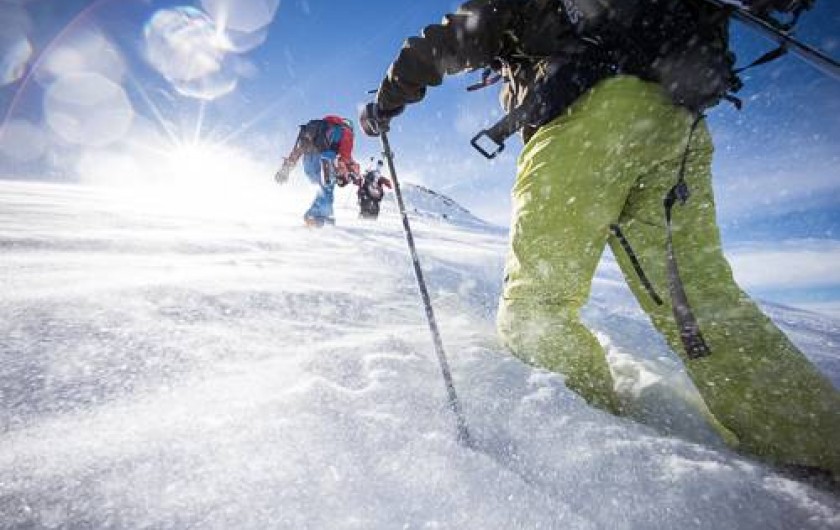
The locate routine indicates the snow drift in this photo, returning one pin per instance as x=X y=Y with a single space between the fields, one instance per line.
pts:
x=232 y=369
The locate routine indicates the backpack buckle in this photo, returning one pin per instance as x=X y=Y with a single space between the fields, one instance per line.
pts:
x=489 y=155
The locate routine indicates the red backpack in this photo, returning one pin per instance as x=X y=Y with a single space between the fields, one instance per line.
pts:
x=344 y=147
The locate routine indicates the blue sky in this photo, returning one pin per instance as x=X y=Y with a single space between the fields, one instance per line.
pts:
x=777 y=176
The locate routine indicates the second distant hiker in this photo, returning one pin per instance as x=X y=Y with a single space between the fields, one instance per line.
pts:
x=371 y=192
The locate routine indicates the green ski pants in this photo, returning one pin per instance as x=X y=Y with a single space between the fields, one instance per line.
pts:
x=611 y=159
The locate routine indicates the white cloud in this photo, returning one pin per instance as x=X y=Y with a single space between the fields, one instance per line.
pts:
x=769 y=185
x=797 y=264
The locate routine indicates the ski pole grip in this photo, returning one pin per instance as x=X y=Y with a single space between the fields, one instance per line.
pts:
x=489 y=155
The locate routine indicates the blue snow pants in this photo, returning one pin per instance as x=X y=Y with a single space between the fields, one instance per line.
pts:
x=313 y=167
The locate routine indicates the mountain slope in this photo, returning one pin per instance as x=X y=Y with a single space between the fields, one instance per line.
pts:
x=431 y=205
x=227 y=368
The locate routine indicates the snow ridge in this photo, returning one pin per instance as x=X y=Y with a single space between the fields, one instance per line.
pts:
x=423 y=202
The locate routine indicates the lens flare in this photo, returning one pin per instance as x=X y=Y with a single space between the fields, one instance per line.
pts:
x=16 y=53
x=88 y=109
x=88 y=88
x=85 y=51
x=241 y=42
x=246 y=16
x=22 y=141
x=186 y=48
x=15 y=48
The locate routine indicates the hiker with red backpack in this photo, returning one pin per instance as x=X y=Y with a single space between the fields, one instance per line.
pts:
x=326 y=146
x=609 y=97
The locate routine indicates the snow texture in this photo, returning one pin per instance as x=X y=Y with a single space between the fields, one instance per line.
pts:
x=233 y=369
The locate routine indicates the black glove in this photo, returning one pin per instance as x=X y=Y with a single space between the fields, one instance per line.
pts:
x=375 y=121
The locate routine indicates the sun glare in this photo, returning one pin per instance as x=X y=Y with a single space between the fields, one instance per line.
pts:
x=200 y=177
x=200 y=162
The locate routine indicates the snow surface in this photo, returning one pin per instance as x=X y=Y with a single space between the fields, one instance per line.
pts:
x=171 y=362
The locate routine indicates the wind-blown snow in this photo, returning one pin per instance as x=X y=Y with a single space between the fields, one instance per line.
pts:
x=232 y=369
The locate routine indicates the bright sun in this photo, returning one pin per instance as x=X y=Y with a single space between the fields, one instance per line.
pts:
x=201 y=162
x=199 y=177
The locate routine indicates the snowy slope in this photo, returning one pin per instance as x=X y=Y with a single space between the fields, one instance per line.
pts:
x=433 y=206
x=225 y=367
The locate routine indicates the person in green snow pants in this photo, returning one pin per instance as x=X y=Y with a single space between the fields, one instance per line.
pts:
x=603 y=147
x=612 y=158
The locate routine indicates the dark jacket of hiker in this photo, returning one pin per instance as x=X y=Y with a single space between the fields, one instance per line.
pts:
x=532 y=44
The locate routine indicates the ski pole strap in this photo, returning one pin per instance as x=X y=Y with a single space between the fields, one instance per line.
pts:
x=634 y=260
x=690 y=335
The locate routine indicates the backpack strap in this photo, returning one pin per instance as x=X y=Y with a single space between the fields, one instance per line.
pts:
x=765 y=58
x=693 y=342
x=634 y=261
x=505 y=127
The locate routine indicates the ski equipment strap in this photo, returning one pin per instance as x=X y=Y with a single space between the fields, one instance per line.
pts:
x=772 y=55
x=634 y=260
x=505 y=128
x=693 y=342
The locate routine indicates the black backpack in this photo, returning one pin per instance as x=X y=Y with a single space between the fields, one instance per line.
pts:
x=313 y=135
x=681 y=44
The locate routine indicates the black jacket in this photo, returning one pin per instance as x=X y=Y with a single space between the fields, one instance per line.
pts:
x=684 y=46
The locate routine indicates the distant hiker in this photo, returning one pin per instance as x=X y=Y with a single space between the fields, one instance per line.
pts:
x=327 y=148
x=371 y=192
x=610 y=111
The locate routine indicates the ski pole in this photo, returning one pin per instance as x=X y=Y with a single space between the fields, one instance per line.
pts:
x=809 y=54
x=454 y=403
